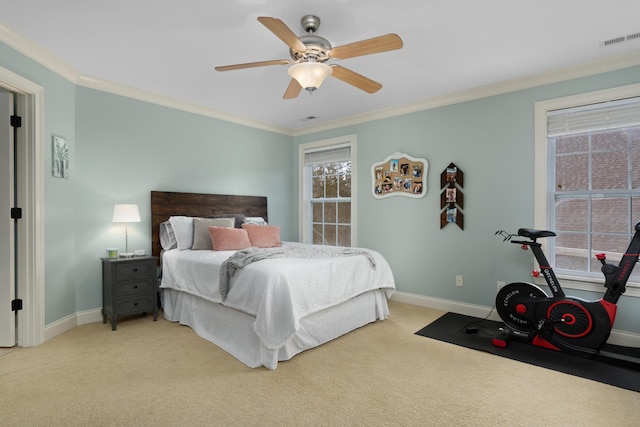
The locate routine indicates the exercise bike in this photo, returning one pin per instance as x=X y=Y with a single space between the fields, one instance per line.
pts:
x=559 y=322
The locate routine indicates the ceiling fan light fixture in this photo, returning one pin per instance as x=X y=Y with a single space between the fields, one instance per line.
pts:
x=310 y=75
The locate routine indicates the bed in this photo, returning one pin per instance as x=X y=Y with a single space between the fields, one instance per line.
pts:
x=268 y=303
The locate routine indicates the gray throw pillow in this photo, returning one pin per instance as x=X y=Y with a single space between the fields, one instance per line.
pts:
x=201 y=236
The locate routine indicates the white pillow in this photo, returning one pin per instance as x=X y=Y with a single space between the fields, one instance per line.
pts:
x=255 y=220
x=183 y=230
x=167 y=238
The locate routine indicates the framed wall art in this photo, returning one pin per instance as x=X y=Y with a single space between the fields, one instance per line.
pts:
x=60 y=157
x=452 y=197
x=399 y=175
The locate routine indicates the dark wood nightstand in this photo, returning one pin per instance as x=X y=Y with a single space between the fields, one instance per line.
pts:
x=129 y=286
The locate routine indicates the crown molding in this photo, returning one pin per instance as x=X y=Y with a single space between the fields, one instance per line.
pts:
x=165 y=101
x=37 y=53
x=45 y=58
x=618 y=62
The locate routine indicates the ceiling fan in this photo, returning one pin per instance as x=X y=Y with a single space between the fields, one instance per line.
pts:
x=310 y=53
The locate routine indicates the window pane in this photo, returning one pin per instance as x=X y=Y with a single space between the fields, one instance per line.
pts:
x=317 y=212
x=634 y=135
x=608 y=243
x=318 y=187
x=317 y=234
x=344 y=213
x=610 y=171
x=613 y=139
x=572 y=215
x=345 y=186
x=332 y=186
x=635 y=170
x=330 y=234
x=635 y=212
x=571 y=251
x=609 y=215
x=572 y=172
x=614 y=247
x=330 y=212
x=332 y=168
x=344 y=235
x=317 y=170
x=572 y=144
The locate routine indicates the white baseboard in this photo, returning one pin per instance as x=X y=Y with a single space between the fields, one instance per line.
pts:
x=71 y=321
x=617 y=337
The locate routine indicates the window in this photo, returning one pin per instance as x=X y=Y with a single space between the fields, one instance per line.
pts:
x=588 y=181
x=327 y=192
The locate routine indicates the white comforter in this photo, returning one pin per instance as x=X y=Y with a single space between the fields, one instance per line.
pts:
x=278 y=292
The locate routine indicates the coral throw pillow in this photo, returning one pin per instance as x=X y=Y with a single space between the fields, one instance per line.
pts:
x=263 y=236
x=229 y=239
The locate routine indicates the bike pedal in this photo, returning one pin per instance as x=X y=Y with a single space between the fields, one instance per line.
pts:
x=499 y=343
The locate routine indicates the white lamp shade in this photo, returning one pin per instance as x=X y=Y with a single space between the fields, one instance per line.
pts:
x=126 y=213
x=310 y=75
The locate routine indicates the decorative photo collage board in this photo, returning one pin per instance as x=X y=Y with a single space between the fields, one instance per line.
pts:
x=400 y=175
x=451 y=198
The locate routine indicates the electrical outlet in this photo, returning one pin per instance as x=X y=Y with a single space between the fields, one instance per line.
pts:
x=459 y=281
x=500 y=284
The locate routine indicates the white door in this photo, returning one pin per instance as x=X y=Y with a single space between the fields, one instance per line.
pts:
x=7 y=246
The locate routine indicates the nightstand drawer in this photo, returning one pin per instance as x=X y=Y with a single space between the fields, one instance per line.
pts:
x=143 y=303
x=124 y=289
x=131 y=270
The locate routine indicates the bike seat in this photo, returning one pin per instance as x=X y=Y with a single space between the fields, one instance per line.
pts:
x=534 y=234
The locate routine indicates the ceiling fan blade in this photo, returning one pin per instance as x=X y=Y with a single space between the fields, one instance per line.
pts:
x=367 y=47
x=355 y=79
x=252 y=65
x=283 y=32
x=293 y=90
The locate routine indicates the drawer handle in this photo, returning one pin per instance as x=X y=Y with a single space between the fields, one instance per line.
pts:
x=135 y=286
x=135 y=304
x=135 y=270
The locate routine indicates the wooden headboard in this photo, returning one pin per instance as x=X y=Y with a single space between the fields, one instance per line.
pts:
x=166 y=204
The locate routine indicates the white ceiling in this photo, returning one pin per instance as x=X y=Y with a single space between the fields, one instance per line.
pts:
x=169 y=47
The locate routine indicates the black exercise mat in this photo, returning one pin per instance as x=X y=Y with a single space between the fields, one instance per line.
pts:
x=451 y=328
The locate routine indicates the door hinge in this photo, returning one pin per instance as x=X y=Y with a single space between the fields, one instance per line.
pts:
x=16 y=213
x=16 y=121
x=16 y=305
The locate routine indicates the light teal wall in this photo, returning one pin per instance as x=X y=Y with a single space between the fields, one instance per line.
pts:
x=126 y=148
x=121 y=149
x=492 y=141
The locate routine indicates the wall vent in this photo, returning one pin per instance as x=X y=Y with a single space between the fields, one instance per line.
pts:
x=620 y=39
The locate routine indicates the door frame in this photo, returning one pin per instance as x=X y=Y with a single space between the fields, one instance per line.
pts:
x=7 y=247
x=30 y=175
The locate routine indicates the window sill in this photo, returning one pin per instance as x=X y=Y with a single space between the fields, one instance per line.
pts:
x=588 y=284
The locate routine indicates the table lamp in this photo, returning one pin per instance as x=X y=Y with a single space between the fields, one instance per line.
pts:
x=126 y=214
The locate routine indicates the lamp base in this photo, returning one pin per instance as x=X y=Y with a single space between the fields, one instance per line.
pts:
x=126 y=255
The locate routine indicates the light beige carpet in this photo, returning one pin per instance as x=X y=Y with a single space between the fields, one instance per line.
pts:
x=162 y=374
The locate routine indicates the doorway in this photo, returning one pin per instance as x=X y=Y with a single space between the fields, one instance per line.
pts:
x=23 y=277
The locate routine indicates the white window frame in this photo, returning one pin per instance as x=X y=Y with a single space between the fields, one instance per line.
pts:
x=304 y=177
x=541 y=173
